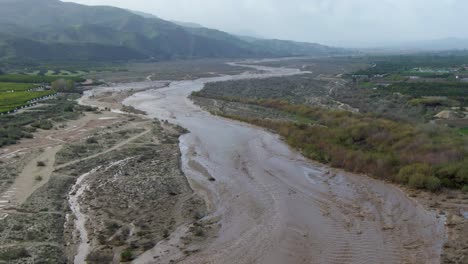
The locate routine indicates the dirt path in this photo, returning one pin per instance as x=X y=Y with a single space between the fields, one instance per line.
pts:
x=37 y=171
x=34 y=175
x=121 y=144
x=276 y=206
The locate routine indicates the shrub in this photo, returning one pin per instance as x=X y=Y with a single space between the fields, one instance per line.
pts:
x=42 y=124
x=91 y=140
x=199 y=232
x=41 y=164
x=38 y=178
x=406 y=172
x=14 y=254
x=432 y=183
x=454 y=175
x=417 y=181
x=126 y=255
x=465 y=188
x=462 y=174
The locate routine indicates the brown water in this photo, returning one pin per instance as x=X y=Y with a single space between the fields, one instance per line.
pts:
x=276 y=206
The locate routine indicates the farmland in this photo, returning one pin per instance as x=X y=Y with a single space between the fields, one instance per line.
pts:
x=16 y=87
x=10 y=101
x=25 y=78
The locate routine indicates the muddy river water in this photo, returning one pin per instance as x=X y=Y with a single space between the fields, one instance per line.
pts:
x=275 y=206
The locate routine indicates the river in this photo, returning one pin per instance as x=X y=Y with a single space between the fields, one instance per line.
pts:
x=277 y=207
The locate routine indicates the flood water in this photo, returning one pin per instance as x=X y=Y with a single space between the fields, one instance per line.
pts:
x=277 y=207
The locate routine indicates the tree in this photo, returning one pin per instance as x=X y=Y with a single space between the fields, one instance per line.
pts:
x=62 y=85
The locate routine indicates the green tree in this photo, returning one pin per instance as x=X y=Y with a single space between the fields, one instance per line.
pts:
x=62 y=85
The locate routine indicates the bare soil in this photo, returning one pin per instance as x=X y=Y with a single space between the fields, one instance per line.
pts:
x=135 y=193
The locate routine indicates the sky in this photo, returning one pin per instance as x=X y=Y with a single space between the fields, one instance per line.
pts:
x=350 y=23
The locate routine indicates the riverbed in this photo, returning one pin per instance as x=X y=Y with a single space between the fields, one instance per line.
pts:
x=277 y=207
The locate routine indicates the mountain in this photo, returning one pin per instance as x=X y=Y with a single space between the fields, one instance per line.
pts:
x=187 y=24
x=51 y=30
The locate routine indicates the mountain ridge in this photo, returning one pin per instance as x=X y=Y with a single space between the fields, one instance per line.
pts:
x=65 y=26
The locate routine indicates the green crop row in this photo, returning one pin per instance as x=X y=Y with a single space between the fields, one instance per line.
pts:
x=13 y=101
x=20 y=78
x=15 y=87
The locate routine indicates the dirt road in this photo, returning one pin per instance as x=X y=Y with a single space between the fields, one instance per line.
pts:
x=37 y=171
x=277 y=207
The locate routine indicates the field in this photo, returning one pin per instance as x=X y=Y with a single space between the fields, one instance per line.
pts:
x=10 y=101
x=53 y=73
x=430 y=65
x=16 y=87
x=448 y=89
x=464 y=130
x=171 y=70
x=25 y=78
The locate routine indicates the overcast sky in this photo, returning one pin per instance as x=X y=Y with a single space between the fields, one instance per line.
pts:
x=333 y=22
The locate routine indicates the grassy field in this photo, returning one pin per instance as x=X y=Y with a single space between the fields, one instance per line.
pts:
x=464 y=130
x=449 y=89
x=11 y=101
x=16 y=87
x=435 y=65
x=25 y=78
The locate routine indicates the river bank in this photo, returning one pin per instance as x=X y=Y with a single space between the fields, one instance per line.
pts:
x=293 y=210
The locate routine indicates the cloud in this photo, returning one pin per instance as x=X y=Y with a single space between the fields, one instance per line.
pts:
x=337 y=22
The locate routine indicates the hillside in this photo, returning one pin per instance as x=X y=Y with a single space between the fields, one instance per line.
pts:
x=38 y=30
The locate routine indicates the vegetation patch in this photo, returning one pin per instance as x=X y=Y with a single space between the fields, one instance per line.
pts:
x=427 y=157
x=22 y=125
x=449 y=89
x=464 y=130
x=25 y=78
x=15 y=87
x=12 y=101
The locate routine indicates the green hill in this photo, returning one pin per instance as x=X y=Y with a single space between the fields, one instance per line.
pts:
x=51 y=30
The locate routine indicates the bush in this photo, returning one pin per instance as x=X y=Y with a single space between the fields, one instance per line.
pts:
x=406 y=172
x=14 y=254
x=465 y=188
x=417 y=181
x=91 y=140
x=454 y=175
x=462 y=174
x=44 y=124
x=126 y=255
x=199 y=232
x=41 y=164
x=432 y=183
x=38 y=178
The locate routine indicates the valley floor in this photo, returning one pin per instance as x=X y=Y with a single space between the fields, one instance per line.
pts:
x=132 y=185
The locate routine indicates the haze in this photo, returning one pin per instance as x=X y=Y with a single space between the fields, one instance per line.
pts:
x=334 y=22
